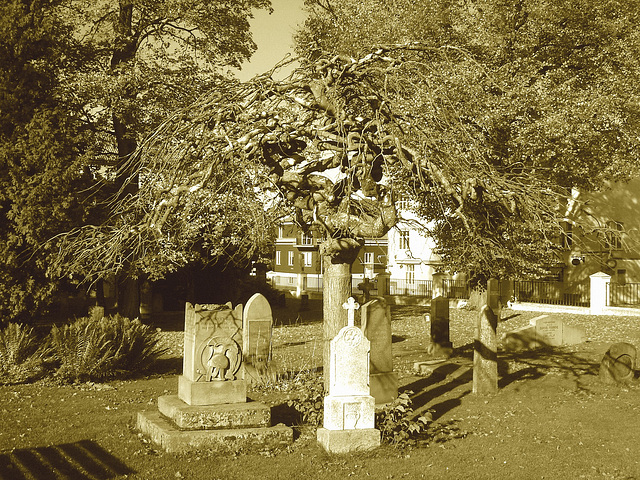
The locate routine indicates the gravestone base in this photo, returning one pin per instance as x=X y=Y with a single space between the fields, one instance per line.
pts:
x=349 y=412
x=203 y=417
x=384 y=387
x=208 y=393
x=345 y=441
x=166 y=434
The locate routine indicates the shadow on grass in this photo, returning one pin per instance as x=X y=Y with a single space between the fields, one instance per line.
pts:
x=80 y=460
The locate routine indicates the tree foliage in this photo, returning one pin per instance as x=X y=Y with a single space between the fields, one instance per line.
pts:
x=546 y=93
x=42 y=177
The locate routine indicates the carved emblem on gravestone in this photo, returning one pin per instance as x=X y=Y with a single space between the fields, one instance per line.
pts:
x=352 y=336
x=222 y=358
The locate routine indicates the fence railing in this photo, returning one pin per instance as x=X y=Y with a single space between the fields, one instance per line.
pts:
x=422 y=288
x=554 y=293
x=623 y=295
x=455 y=288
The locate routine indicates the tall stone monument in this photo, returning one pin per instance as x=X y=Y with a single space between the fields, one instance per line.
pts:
x=211 y=408
x=376 y=326
x=349 y=409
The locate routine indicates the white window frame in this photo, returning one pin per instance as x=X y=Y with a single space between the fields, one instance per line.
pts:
x=290 y=258
x=368 y=258
x=403 y=240
x=308 y=259
x=278 y=257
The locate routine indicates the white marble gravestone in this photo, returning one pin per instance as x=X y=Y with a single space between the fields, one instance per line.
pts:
x=257 y=321
x=349 y=409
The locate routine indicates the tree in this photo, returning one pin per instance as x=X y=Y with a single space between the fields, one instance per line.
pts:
x=544 y=97
x=337 y=140
x=43 y=182
x=142 y=59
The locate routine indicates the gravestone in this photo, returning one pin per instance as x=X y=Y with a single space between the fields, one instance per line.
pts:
x=366 y=286
x=211 y=410
x=349 y=409
x=257 y=322
x=376 y=326
x=485 y=344
x=440 y=323
x=618 y=363
x=544 y=330
x=212 y=365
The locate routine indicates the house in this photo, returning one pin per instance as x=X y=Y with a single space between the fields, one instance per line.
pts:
x=297 y=264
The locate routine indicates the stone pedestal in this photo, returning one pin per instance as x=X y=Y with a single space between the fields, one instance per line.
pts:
x=211 y=410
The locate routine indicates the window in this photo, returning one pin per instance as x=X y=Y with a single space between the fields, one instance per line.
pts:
x=404 y=240
x=307 y=239
x=290 y=259
x=614 y=235
x=290 y=280
x=368 y=257
x=280 y=231
x=308 y=259
x=567 y=235
x=622 y=276
x=411 y=273
x=278 y=257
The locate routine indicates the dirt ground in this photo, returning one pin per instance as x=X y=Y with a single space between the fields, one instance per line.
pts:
x=552 y=417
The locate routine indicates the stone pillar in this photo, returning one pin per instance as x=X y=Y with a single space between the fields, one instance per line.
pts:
x=438 y=285
x=599 y=292
x=485 y=355
x=383 y=283
x=440 y=322
x=301 y=284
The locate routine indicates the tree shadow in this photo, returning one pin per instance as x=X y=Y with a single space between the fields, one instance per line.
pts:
x=80 y=460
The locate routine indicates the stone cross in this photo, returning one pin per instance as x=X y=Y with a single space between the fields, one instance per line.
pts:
x=351 y=306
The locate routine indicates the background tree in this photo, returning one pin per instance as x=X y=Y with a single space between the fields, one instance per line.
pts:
x=546 y=98
x=43 y=178
x=144 y=58
x=334 y=143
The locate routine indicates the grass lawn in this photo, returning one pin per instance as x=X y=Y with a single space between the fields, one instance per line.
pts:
x=552 y=417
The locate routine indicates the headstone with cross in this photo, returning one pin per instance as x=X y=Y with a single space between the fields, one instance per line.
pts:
x=349 y=409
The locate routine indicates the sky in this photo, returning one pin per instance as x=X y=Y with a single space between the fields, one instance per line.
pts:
x=273 y=34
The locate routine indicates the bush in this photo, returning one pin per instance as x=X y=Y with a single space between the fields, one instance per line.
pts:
x=98 y=349
x=310 y=402
x=397 y=422
x=22 y=354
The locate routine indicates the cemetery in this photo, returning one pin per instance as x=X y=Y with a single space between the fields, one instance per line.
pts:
x=568 y=392
x=142 y=184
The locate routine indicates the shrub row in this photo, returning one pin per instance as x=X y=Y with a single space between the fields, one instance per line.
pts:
x=88 y=349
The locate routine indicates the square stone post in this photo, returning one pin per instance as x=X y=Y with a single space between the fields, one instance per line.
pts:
x=599 y=289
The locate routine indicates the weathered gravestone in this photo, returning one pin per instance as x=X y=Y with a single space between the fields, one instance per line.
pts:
x=212 y=365
x=618 y=363
x=349 y=409
x=376 y=325
x=211 y=408
x=439 y=323
x=257 y=322
x=544 y=330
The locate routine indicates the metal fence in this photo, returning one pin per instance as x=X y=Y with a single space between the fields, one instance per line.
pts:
x=455 y=288
x=619 y=295
x=421 y=288
x=554 y=293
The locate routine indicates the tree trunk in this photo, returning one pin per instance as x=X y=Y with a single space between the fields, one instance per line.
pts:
x=337 y=255
x=125 y=47
x=128 y=297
